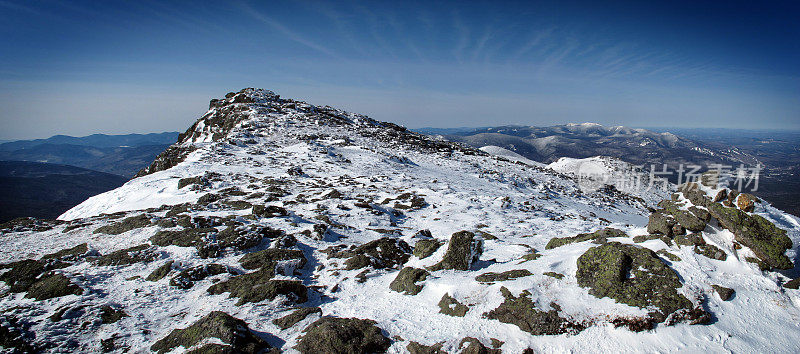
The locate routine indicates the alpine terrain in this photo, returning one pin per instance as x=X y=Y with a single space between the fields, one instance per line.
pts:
x=275 y=225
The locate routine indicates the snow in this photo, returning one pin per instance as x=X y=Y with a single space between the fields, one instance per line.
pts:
x=524 y=206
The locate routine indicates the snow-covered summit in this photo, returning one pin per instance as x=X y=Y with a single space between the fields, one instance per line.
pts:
x=274 y=223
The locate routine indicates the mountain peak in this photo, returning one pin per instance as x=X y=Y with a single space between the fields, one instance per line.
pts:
x=244 y=117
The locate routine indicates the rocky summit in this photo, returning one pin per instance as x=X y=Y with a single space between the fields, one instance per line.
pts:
x=273 y=225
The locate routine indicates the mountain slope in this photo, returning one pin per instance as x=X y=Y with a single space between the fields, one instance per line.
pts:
x=46 y=190
x=399 y=240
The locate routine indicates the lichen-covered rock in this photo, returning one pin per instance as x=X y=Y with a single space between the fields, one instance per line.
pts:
x=382 y=253
x=70 y=254
x=692 y=239
x=160 y=272
x=599 y=236
x=521 y=311
x=186 y=278
x=723 y=292
x=631 y=275
x=660 y=223
x=417 y=348
x=667 y=255
x=507 y=275
x=136 y=254
x=125 y=225
x=22 y=274
x=558 y=276
x=296 y=316
x=238 y=204
x=695 y=195
x=462 y=250
x=425 y=248
x=184 y=238
x=407 y=281
x=746 y=202
x=448 y=305
x=342 y=335
x=52 y=285
x=236 y=236
x=231 y=331
x=685 y=218
x=259 y=286
x=710 y=251
x=701 y=214
x=766 y=240
x=283 y=261
x=470 y=345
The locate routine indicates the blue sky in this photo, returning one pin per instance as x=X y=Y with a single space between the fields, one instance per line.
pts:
x=118 y=67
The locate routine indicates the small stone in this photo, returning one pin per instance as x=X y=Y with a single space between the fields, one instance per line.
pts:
x=723 y=292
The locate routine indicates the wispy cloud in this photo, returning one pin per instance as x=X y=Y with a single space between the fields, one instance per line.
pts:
x=287 y=32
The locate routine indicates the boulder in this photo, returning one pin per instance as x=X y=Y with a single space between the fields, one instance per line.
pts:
x=186 y=278
x=631 y=275
x=685 y=218
x=660 y=223
x=160 y=272
x=472 y=345
x=711 y=251
x=462 y=250
x=766 y=240
x=792 y=284
x=283 y=261
x=425 y=248
x=407 y=281
x=417 y=348
x=259 y=286
x=342 y=335
x=521 y=311
x=109 y=314
x=296 y=316
x=723 y=292
x=382 y=253
x=448 y=305
x=746 y=202
x=234 y=334
x=507 y=275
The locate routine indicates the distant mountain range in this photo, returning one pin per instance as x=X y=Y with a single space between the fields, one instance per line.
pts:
x=46 y=190
x=638 y=146
x=778 y=152
x=96 y=140
x=122 y=155
x=45 y=177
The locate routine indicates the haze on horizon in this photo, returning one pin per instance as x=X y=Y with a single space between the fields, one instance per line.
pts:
x=82 y=67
